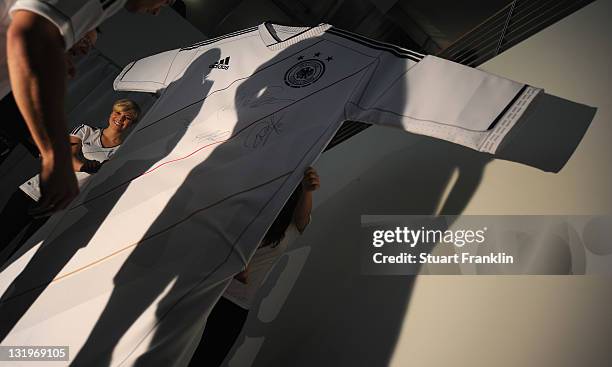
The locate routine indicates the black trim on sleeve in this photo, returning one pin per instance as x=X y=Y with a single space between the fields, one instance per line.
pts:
x=106 y=3
x=77 y=129
x=503 y=112
x=213 y=40
x=379 y=43
x=395 y=50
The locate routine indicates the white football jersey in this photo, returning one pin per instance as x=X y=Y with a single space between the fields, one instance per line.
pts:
x=133 y=267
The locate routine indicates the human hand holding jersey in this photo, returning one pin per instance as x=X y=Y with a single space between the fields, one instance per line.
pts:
x=301 y=214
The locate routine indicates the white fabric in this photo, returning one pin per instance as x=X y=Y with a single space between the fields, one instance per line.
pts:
x=73 y=18
x=91 y=143
x=126 y=273
x=5 y=21
x=243 y=294
x=92 y=149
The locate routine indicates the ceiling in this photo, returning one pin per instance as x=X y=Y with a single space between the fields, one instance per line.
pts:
x=425 y=25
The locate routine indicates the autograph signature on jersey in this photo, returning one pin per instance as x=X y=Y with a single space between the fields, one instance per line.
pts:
x=266 y=96
x=260 y=133
x=214 y=136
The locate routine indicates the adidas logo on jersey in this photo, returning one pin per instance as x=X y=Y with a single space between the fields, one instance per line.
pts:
x=221 y=64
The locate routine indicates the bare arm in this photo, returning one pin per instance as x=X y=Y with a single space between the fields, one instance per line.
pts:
x=75 y=151
x=301 y=214
x=37 y=69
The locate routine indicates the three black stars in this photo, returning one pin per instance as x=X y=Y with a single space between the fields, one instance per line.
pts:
x=329 y=58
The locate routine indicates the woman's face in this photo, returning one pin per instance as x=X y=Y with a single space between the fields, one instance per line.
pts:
x=121 y=120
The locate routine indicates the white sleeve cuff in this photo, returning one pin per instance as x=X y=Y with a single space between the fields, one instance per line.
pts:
x=60 y=20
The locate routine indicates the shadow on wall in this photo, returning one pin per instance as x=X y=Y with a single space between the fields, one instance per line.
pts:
x=549 y=135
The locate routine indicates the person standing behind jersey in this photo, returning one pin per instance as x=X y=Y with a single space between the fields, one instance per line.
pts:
x=34 y=35
x=227 y=318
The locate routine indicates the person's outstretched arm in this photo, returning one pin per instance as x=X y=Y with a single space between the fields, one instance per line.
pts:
x=37 y=69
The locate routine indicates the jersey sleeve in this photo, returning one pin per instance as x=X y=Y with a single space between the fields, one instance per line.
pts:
x=441 y=99
x=82 y=132
x=153 y=73
x=73 y=18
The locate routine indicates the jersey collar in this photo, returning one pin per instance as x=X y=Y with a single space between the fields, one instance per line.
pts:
x=268 y=33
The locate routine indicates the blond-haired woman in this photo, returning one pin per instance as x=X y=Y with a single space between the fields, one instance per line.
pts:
x=91 y=147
